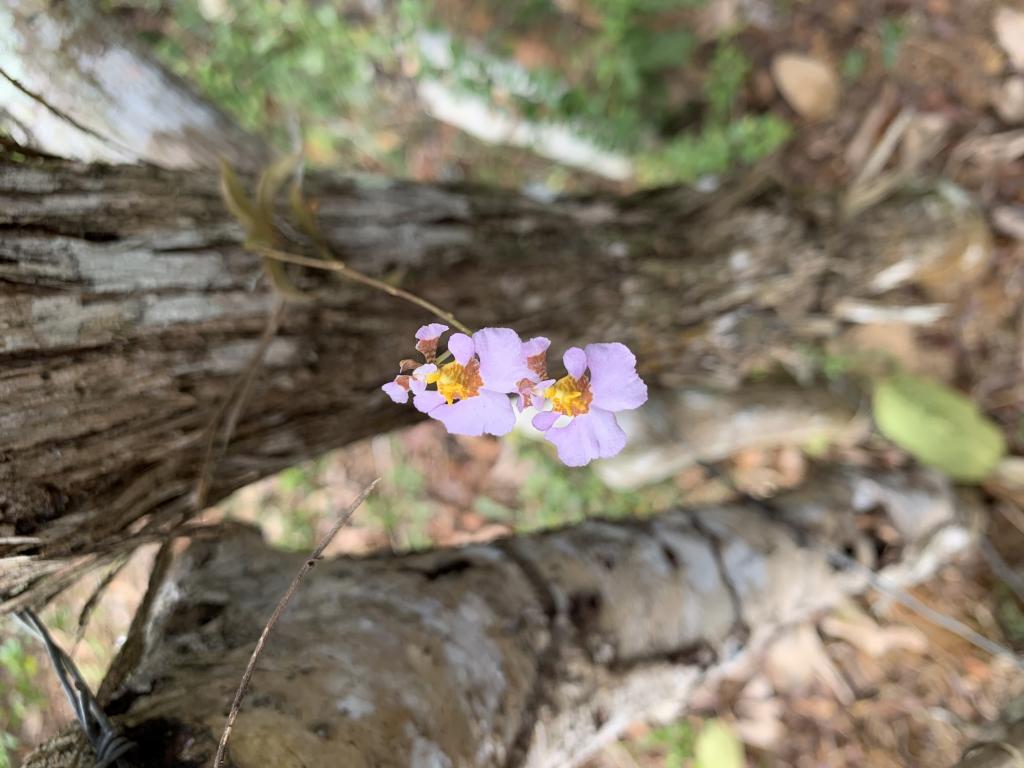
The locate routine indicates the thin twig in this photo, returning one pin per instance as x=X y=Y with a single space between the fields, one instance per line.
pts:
x=307 y=566
x=94 y=599
x=226 y=417
x=926 y=612
x=346 y=271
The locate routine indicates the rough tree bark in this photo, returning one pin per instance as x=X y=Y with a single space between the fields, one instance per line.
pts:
x=128 y=308
x=531 y=651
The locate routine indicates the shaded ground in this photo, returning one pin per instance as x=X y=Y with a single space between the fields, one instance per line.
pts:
x=931 y=76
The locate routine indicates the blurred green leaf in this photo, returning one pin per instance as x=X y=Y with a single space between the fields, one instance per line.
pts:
x=675 y=742
x=938 y=426
x=726 y=73
x=854 y=63
x=718 y=747
x=892 y=32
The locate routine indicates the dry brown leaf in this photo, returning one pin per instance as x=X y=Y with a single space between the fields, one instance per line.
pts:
x=857 y=628
x=797 y=659
x=1009 y=28
x=1009 y=100
x=808 y=84
x=1009 y=220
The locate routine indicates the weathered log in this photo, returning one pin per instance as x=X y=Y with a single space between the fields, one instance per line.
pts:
x=73 y=85
x=129 y=307
x=531 y=651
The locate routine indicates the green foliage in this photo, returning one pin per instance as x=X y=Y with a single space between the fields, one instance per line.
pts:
x=288 y=507
x=619 y=96
x=714 y=150
x=854 y=63
x=892 y=31
x=676 y=742
x=19 y=692
x=550 y=497
x=277 y=63
x=722 y=143
x=399 y=506
x=717 y=746
x=7 y=745
x=726 y=73
x=270 y=62
x=938 y=426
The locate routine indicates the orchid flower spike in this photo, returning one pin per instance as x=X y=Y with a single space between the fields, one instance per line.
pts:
x=601 y=381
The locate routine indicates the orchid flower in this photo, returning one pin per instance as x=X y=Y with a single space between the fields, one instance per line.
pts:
x=601 y=381
x=470 y=394
x=472 y=391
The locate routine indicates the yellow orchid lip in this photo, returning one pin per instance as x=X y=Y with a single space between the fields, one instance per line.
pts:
x=456 y=381
x=569 y=396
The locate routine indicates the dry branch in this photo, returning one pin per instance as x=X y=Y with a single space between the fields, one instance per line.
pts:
x=307 y=566
x=529 y=652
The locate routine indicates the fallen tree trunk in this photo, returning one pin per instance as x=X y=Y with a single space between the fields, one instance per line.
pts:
x=531 y=651
x=129 y=309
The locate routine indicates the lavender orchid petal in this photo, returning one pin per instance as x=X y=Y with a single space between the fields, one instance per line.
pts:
x=425 y=402
x=461 y=347
x=545 y=420
x=613 y=378
x=396 y=392
x=594 y=435
x=431 y=331
x=575 y=360
x=488 y=412
x=502 y=363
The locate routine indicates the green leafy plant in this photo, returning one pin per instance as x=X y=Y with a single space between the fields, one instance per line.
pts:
x=19 y=692
x=891 y=31
x=854 y=63
x=285 y=62
x=722 y=142
x=714 y=150
x=399 y=506
x=676 y=742
x=550 y=497
x=614 y=91
x=713 y=745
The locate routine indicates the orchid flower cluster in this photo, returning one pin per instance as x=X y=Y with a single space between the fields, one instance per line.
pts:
x=470 y=394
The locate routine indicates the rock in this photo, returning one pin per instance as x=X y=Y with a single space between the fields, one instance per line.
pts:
x=808 y=84
x=1009 y=28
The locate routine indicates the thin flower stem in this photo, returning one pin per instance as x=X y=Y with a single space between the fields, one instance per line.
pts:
x=358 y=277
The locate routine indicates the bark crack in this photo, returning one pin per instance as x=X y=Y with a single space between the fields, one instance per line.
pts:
x=740 y=629
x=60 y=113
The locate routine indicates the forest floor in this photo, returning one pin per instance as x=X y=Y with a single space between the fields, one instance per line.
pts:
x=855 y=92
